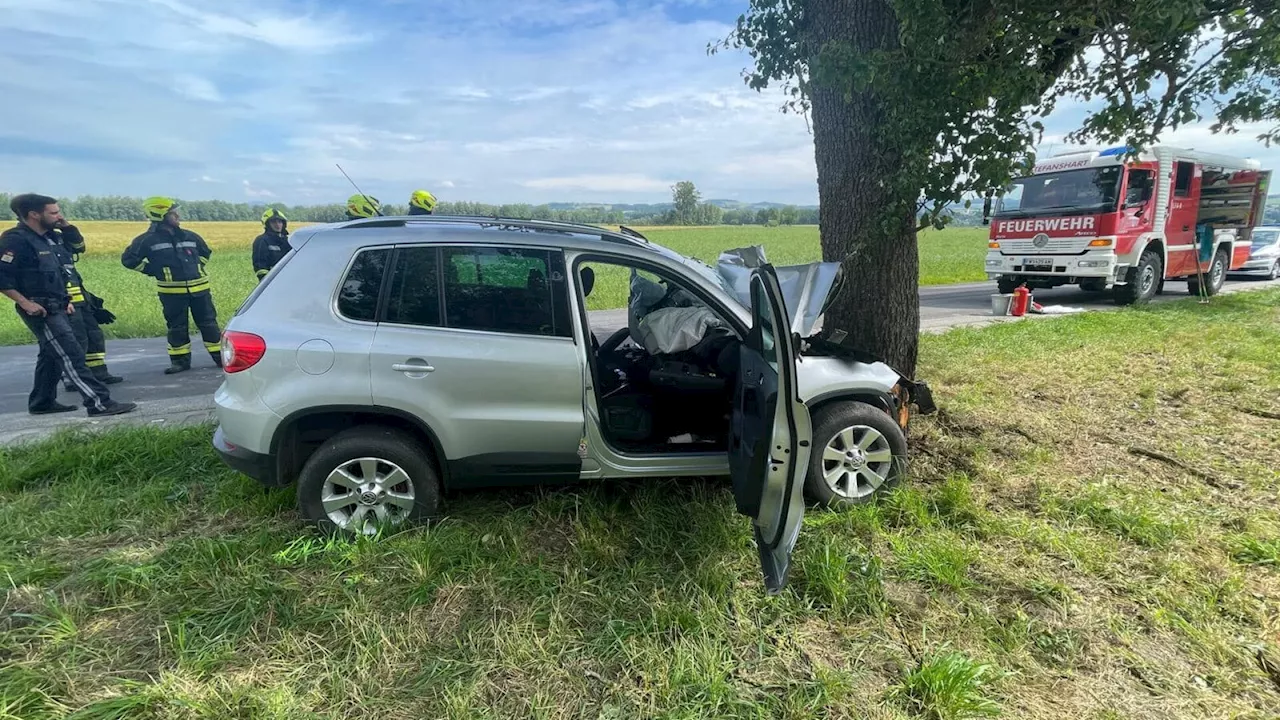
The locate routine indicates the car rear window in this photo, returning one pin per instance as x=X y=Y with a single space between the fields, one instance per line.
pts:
x=358 y=299
x=514 y=290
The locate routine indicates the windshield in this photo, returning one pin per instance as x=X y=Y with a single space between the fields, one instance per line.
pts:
x=1263 y=238
x=1062 y=193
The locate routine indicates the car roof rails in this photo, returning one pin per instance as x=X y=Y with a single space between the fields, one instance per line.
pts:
x=627 y=236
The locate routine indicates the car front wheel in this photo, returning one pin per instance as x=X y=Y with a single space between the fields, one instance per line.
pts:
x=858 y=451
x=367 y=478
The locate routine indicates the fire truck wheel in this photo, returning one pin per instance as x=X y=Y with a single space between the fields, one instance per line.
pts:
x=1216 y=277
x=1144 y=280
x=858 y=452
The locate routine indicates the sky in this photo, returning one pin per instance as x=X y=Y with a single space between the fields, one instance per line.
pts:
x=519 y=101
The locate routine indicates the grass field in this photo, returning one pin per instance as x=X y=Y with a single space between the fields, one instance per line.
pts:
x=1039 y=563
x=954 y=255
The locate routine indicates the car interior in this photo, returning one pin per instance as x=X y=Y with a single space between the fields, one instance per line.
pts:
x=664 y=383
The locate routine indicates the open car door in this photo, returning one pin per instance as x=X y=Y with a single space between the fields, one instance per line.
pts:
x=770 y=438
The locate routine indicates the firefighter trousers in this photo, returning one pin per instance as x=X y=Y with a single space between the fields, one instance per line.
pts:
x=199 y=304
x=60 y=353
x=89 y=335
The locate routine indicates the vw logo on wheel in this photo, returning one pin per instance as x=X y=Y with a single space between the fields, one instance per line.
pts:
x=1040 y=240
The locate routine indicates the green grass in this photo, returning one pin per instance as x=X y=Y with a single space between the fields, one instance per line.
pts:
x=949 y=256
x=1029 y=564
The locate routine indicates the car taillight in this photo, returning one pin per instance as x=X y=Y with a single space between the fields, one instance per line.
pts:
x=241 y=351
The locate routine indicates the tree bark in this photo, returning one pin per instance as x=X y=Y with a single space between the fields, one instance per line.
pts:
x=865 y=224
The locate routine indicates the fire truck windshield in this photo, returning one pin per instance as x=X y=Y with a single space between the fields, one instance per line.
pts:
x=1089 y=190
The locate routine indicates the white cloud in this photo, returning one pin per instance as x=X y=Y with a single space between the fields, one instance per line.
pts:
x=256 y=192
x=602 y=183
x=197 y=88
x=287 y=31
x=205 y=179
x=445 y=183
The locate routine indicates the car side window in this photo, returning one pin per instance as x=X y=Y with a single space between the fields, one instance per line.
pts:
x=414 y=298
x=358 y=299
x=512 y=290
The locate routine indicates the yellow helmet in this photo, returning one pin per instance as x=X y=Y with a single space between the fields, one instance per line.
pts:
x=363 y=206
x=422 y=200
x=271 y=213
x=157 y=207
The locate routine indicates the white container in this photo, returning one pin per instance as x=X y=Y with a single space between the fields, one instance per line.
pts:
x=1000 y=303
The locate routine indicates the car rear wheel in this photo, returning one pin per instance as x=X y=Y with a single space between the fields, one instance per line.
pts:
x=858 y=452
x=367 y=478
x=1275 y=271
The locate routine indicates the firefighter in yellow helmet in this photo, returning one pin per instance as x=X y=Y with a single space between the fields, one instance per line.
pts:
x=422 y=202
x=363 y=206
x=272 y=244
x=176 y=259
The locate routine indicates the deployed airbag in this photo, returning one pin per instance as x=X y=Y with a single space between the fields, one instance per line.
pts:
x=675 y=329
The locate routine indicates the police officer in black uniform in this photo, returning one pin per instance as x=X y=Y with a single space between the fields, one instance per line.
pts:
x=176 y=259
x=272 y=244
x=33 y=277
x=84 y=321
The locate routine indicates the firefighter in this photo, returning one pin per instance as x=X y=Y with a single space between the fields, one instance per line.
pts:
x=84 y=321
x=33 y=277
x=176 y=259
x=422 y=202
x=272 y=244
x=363 y=206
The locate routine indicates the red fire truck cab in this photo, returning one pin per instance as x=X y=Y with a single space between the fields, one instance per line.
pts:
x=1105 y=221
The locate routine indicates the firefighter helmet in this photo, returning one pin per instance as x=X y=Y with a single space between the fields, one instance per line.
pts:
x=422 y=200
x=363 y=206
x=156 y=208
x=271 y=214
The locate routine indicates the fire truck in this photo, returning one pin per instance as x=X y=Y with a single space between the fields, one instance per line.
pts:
x=1124 y=222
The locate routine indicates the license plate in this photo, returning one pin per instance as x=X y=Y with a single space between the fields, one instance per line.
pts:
x=1037 y=263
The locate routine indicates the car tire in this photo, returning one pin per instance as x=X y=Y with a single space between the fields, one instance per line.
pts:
x=1143 y=280
x=1006 y=284
x=853 y=444
x=404 y=486
x=1217 y=277
x=1275 y=271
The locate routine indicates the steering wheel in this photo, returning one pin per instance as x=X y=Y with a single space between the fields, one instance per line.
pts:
x=614 y=341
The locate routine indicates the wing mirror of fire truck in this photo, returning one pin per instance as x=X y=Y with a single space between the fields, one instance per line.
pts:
x=986 y=210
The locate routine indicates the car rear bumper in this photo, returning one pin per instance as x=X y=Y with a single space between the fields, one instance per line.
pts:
x=256 y=465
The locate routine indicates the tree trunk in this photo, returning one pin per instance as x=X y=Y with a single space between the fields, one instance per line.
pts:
x=865 y=224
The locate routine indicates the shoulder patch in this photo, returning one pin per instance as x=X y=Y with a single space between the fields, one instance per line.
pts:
x=7 y=256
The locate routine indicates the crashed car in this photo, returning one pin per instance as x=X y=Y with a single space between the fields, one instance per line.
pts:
x=385 y=361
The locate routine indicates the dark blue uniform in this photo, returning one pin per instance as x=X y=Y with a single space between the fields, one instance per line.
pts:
x=30 y=263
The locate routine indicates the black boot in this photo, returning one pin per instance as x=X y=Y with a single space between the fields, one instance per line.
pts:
x=177 y=364
x=104 y=376
x=217 y=358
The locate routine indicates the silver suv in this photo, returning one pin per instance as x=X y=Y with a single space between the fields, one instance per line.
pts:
x=384 y=361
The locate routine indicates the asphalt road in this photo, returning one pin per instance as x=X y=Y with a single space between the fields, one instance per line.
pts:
x=175 y=398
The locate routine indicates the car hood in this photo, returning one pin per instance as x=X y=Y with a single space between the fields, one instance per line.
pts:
x=806 y=289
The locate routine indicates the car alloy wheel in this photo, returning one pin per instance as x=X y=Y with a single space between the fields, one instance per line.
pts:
x=856 y=462
x=364 y=493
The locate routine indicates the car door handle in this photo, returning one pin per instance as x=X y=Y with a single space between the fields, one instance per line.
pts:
x=404 y=367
